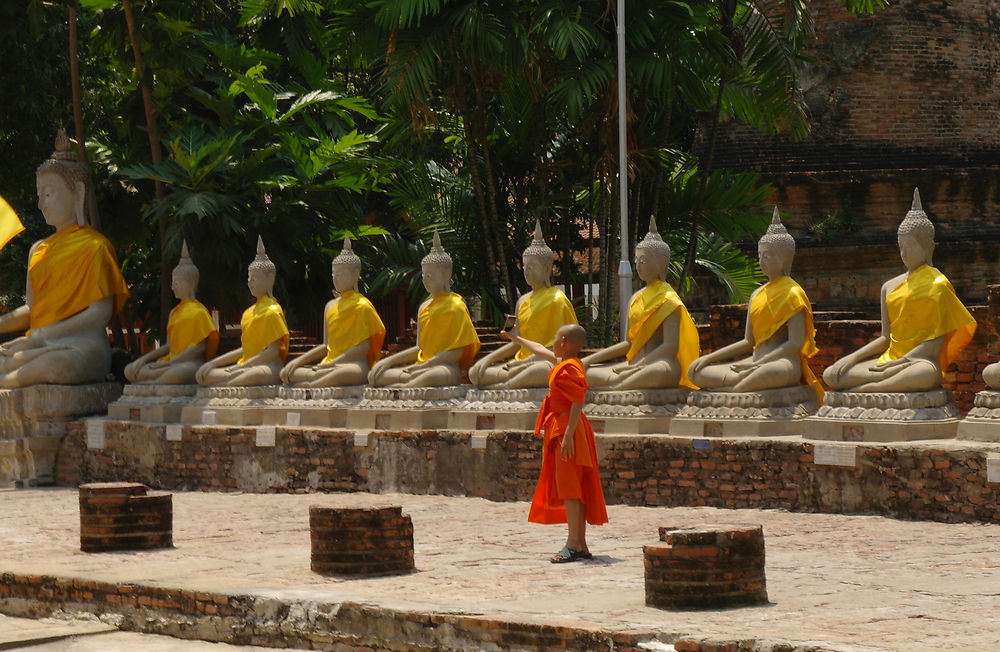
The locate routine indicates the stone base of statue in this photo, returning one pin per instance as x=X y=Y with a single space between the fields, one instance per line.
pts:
x=636 y=411
x=982 y=423
x=498 y=409
x=405 y=408
x=768 y=413
x=312 y=407
x=231 y=406
x=152 y=403
x=903 y=416
x=33 y=421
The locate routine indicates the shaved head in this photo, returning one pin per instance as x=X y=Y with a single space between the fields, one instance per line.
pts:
x=576 y=336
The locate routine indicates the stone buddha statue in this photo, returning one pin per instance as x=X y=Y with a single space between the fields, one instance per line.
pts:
x=662 y=338
x=779 y=336
x=540 y=313
x=74 y=288
x=446 y=339
x=264 y=337
x=192 y=337
x=924 y=325
x=353 y=335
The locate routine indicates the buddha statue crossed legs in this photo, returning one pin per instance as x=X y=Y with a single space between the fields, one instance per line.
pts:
x=192 y=337
x=353 y=335
x=662 y=338
x=540 y=313
x=264 y=338
x=74 y=288
x=446 y=339
x=779 y=336
x=924 y=325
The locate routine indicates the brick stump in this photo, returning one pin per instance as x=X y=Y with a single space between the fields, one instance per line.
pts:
x=360 y=541
x=706 y=568
x=122 y=516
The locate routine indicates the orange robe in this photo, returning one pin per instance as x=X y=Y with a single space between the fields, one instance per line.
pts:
x=577 y=478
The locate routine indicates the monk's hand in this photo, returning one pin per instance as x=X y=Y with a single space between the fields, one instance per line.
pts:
x=568 y=448
x=505 y=335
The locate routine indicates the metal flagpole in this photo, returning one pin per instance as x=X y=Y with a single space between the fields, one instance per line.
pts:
x=624 y=268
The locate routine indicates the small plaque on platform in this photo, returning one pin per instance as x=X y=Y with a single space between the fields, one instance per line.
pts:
x=834 y=455
x=479 y=441
x=293 y=419
x=700 y=444
x=174 y=432
x=95 y=433
x=993 y=469
x=208 y=417
x=266 y=436
x=361 y=439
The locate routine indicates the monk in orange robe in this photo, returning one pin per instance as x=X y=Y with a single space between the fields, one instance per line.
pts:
x=569 y=485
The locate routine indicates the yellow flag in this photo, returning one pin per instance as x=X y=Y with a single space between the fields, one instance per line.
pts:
x=10 y=224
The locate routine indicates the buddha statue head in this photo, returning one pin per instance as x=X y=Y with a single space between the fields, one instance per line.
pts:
x=435 y=268
x=537 y=260
x=184 y=281
x=62 y=185
x=652 y=255
x=261 y=273
x=916 y=236
x=776 y=249
x=346 y=269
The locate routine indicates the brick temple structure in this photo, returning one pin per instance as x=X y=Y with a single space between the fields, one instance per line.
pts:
x=906 y=97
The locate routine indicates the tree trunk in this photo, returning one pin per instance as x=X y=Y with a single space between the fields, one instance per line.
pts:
x=81 y=142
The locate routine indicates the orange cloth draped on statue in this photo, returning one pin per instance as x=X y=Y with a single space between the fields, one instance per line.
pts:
x=577 y=478
x=189 y=323
x=263 y=323
x=71 y=270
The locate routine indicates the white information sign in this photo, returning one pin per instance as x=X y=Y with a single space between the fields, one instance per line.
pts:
x=479 y=441
x=266 y=436
x=174 y=431
x=293 y=418
x=95 y=433
x=835 y=455
x=993 y=469
x=208 y=417
x=361 y=439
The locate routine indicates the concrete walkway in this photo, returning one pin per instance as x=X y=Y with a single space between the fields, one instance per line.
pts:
x=847 y=582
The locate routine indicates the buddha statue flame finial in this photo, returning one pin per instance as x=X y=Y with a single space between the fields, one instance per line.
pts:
x=654 y=242
x=916 y=222
x=347 y=255
x=64 y=163
x=777 y=235
x=538 y=247
x=437 y=255
x=261 y=261
x=186 y=266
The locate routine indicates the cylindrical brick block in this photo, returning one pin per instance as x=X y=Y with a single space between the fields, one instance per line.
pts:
x=706 y=568
x=122 y=516
x=360 y=541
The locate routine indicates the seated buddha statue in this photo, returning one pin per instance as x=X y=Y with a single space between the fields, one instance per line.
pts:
x=662 y=338
x=74 y=287
x=192 y=337
x=263 y=340
x=446 y=339
x=779 y=337
x=353 y=335
x=924 y=325
x=540 y=313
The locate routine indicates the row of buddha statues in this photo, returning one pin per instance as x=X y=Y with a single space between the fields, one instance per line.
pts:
x=75 y=286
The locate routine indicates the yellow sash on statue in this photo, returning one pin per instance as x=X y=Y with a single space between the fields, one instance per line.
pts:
x=773 y=305
x=646 y=312
x=540 y=315
x=69 y=271
x=263 y=323
x=924 y=307
x=189 y=324
x=351 y=320
x=445 y=325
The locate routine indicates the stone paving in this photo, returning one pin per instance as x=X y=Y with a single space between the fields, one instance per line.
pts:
x=847 y=582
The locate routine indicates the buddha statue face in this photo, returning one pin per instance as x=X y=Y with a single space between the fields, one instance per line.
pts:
x=345 y=277
x=184 y=281
x=436 y=277
x=537 y=271
x=651 y=266
x=260 y=281
x=913 y=251
x=60 y=204
x=775 y=260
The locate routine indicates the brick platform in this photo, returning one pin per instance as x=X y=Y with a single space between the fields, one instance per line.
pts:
x=121 y=516
x=360 y=541
x=706 y=568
